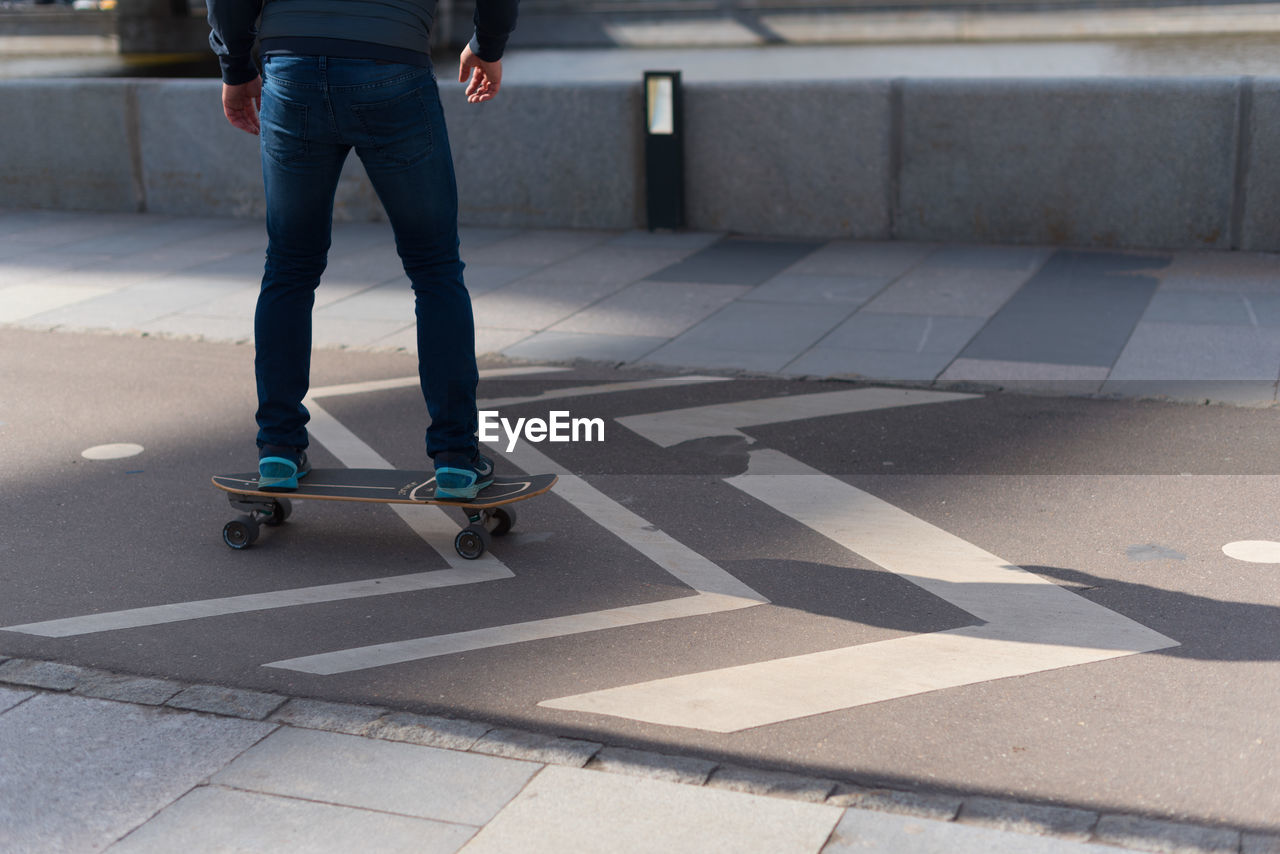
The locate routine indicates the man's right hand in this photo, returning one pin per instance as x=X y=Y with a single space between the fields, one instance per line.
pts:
x=485 y=77
x=240 y=104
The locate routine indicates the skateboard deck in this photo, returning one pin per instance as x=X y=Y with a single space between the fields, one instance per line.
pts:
x=488 y=514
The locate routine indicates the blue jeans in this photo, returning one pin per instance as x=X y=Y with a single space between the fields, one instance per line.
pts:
x=314 y=111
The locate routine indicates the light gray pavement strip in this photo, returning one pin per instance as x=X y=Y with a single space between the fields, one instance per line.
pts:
x=86 y=774
x=79 y=773
x=213 y=818
x=1183 y=325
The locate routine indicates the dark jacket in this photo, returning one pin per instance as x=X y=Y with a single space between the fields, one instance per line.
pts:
x=393 y=30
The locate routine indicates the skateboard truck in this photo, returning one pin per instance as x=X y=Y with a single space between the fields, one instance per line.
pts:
x=242 y=532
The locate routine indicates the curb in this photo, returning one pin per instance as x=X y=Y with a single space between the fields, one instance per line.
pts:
x=1140 y=833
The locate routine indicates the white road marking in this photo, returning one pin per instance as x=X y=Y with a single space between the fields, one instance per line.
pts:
x=605 y=388
x=1030 y=624
x=118 y=451
x=397 y=652
x=411 y=382
x=723 y=419
x=1253 y=551
x=715 y=589
x=157 y=614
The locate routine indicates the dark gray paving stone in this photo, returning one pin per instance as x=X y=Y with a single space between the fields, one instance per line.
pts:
x=428 y=730
x=41 y=674
x=776 y=783
x=565 y=346
x=985 y=257
x=1260 y=843
x=823 y=361
x=532 y=747
x=1028 y=818
x=252 y=705
x=331 y=717
x=1079 y=309
x=904 y=333
x=10 y=697
x=864 y=832
x=736 y=261
x=1165 y=837
x=128 y=689
x=690 y=241
x=915 y=804
x=654 y=766
x=847 y=292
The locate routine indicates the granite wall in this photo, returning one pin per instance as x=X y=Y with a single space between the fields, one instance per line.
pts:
x=1165 y=163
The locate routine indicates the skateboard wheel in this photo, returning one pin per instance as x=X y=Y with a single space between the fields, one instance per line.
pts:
x=471 y=542
x=281 y=509
x=240 y=533
x=505 y=520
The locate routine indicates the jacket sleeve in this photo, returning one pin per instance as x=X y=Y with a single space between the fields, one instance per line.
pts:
x=233 y=27
x=495 y=20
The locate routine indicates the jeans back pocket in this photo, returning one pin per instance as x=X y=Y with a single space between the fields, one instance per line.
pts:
x=398 y=131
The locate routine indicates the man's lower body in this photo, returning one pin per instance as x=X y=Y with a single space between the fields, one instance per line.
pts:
x=314 y=111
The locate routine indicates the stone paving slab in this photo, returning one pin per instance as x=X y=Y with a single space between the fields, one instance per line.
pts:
x=752 y=781
x=1165 y=837
x=863 y=832
x=236 y=702
x=849 y=292
x=926 y=805
x=640 y=763
x=566 y=346
x=108 y=767
x=1186 y=351
x=10 y=697
x=622 y=815
x=533 y=747
x=1029 y=818
x=750 y=336
x=40 y=674
x=1259 y=843
x=406 y=779
x=332 y=717
x=127 y=689
x=215 y=819
x=661 y=309
x=737 y=261
x=428 y=730
x=826 y=361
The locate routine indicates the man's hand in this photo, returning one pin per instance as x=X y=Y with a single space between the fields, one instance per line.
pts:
x=240 y=103
x=485 y=77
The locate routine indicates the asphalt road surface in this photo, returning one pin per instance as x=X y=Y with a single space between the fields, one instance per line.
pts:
x=1034 y=597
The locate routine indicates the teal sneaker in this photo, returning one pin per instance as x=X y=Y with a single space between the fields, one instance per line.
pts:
x=279 y=468
x=462 y=483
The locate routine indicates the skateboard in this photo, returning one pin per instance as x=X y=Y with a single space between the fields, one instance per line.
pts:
x=489 y=514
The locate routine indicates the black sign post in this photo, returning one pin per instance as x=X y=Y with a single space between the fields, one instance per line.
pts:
x=663 y=149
